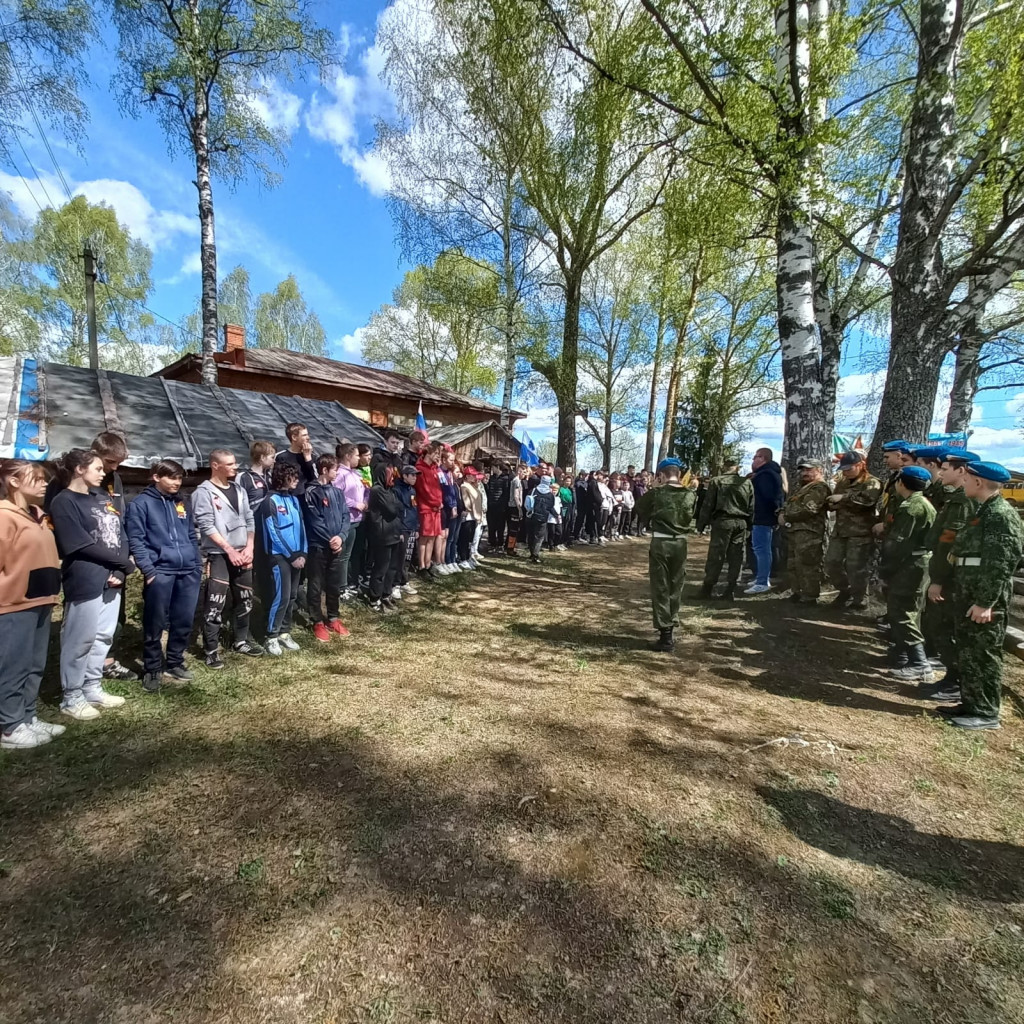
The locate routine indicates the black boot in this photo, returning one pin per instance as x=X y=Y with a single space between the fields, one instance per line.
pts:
x=896 y=656
x=840 y=599
x=729 y=594
x=665 y=641
x=917 y=669
x=705 y=591
x=858 y=604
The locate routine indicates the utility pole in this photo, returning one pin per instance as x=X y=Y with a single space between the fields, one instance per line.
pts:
x=90 y=308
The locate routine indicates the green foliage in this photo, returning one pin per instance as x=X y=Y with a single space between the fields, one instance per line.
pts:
x=282 y=319
x=440 y=326
x=52 y=286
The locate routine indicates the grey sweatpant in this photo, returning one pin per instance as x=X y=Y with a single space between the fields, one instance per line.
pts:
x=24 y=637
x=85 y=638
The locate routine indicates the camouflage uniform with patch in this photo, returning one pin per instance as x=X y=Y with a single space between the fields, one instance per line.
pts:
x=904 y=568
x=850 y=551
x=937 y=618
x=805 y=515
x=937 y=492
x=728 y=507
x=668 y=511
x=985 y=555
x=890 y=502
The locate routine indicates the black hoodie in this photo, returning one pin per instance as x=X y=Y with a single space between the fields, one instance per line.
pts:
x=769 y=494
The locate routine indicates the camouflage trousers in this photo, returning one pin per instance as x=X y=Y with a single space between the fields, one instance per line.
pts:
x=848 y=564
x=979 y=656
x=939 y=631
x=904 y=600
x=804 y=562
x=728 y=537
x=667 y=567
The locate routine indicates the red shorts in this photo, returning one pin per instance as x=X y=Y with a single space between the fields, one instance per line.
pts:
x=430 y=522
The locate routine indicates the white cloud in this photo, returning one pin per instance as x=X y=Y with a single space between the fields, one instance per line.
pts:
x=278 y=108
x=351 y=345
x=144 y=221
x=353 y=103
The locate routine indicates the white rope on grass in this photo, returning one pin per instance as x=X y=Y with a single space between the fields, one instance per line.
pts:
x=784 y=742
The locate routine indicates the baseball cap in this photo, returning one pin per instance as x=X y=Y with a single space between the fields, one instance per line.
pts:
x=808 y=464
x=848 y=459
x=409 y=469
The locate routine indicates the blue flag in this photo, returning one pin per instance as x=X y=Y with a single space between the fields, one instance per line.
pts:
x=527 y=453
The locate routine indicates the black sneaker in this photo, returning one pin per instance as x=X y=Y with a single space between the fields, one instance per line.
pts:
x=375 y=606
x=115 y=670
x=151 y=682
x=950 y=696
x=180 y=673
x=249 y=648
x=214 y=661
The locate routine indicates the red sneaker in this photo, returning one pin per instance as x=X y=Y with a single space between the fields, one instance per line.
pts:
x=320 y=632
x=335 y=626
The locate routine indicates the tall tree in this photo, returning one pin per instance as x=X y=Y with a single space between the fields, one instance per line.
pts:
x=55 y=294
x=283 y=320
x=439 y=327
x=41 y=70
x=234 y=301
x=199 y=63
x=963 y=166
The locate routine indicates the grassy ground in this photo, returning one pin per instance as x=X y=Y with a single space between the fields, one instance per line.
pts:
x=499 y=806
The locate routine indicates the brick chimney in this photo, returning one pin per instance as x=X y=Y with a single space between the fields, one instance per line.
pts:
x=234 y=344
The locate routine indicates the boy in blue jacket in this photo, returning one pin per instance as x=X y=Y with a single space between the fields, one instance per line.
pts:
x=405 y=488
x=280 y=525
x=162 y=540
x=328 y=525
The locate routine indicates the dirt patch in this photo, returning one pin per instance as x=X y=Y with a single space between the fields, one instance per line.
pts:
x=500 y=805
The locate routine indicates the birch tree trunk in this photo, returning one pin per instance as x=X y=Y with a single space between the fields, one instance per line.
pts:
x=965 y=378
x=510 y=297
x=682 y=328
x=917 y=348
x=652 y=405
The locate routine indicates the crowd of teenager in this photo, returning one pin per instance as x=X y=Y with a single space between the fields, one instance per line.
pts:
x=290 y=536
x=294 y=536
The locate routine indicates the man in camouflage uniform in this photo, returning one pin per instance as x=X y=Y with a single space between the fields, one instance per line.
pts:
x=937 y=618
x=728 y=505
x=897 y=455
x=804 y=517
x=904 y=570
x=931 y=457
x=985 y=555
x=668 y=511
x=854 y=502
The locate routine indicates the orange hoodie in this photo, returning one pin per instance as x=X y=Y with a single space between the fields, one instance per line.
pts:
x=29 y=564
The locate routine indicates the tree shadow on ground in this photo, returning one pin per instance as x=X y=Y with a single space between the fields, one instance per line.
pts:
x=249 y=845
x=977 y=868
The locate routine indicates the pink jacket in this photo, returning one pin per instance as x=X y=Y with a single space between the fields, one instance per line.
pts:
x=350 y=483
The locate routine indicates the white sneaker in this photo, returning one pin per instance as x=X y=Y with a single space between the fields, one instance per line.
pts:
x=408 y=588
x=437 y=570
x=477 y=557
x=102 y=699
x=466 y=566
x=288 y=643
x=23 y=738
x=474 y=564
x=453 y=567
x=758 y=588
x=83 y=711
x=49 y=728
x=273 y=647
x=396 y=594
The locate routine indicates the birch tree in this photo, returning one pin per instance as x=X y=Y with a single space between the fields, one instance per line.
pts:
x=198 y=64
x=283 y=320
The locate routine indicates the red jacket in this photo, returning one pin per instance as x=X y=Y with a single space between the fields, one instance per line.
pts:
x=428 y=487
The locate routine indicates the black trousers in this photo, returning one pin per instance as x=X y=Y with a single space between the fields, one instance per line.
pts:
x=387 y=558
x=223 y=578
x=513 y=525
x=538 y=532
x=465 y=543
x=324 y=569
x=496 y=526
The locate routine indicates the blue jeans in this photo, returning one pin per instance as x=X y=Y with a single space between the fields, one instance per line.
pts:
x=452 y=544
x=761 y=539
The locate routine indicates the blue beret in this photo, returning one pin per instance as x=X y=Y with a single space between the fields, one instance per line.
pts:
x=926 y=451
x=915 y=473
x=989 y=471
x=895 y=446
x=668 y=463
x=959 y=455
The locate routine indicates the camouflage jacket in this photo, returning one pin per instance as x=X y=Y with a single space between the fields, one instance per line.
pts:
x=729 y=496
x=905 y=542
x=938 y=493
x=986 y=553
x=949 y=521
x=806 y=511
x=891 y=501
x=668 y=510
x=854 y=503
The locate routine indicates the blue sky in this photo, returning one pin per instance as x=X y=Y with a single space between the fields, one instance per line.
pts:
x=327 y=221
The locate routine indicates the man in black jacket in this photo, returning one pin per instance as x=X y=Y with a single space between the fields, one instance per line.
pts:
x=769 y=497
x=300 y=454
x=388 y=460
x=498 y=489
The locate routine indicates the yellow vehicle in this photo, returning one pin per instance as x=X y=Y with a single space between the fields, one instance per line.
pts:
x=1013 y=491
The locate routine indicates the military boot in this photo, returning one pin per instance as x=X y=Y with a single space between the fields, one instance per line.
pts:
x=896 y=657
x=665 y=642
x=916 y=668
